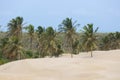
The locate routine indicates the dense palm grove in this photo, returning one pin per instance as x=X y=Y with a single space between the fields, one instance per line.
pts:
x=21 y=42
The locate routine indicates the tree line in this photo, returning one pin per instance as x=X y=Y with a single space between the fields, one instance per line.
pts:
x=18 y=44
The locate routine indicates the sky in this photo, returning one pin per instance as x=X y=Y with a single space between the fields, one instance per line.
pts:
x=104 y=14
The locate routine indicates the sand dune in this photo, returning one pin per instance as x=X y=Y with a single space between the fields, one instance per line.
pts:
x=105 y=65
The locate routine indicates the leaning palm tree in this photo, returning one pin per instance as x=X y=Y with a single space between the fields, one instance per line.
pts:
x=89 y=38
x=69 y=28
x=30 y=30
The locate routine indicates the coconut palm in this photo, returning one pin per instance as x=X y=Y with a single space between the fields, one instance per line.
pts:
x=30 y=30
x=89 y=37
x=69 y=28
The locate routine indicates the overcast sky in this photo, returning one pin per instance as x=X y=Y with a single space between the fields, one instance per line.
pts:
x=104 y=14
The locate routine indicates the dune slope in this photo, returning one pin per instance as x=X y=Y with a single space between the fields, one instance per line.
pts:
x=105 y=65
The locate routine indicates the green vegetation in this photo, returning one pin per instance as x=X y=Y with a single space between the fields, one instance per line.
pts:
x=16 y=44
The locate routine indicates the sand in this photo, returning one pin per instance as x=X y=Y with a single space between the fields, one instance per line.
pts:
x=105 y=65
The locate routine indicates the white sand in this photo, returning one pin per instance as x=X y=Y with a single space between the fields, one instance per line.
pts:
x=105 y=65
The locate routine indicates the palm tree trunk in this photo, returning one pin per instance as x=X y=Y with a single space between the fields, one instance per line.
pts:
x=91 y=53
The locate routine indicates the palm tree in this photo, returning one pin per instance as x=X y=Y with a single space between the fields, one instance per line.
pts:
x=15 y=34
x=41 y=41
x=69 y=28
x=30 y=30
x=51 y=44
x=89 y=37
x=47 y=42
x=15 y=27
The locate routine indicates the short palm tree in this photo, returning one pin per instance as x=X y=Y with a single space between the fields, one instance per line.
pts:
x=89 y=37
x=69 y=28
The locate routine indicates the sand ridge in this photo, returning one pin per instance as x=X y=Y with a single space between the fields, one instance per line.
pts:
x=103 y=66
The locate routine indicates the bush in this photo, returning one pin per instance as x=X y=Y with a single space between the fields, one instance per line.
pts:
x=28 y=54
x=3 y=61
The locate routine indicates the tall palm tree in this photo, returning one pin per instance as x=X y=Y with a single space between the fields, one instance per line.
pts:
x=15 y=34
x=69 y=28
x=30 y=30
x=89 y=37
